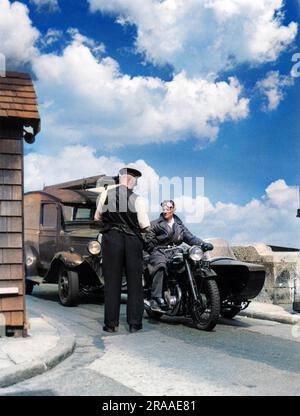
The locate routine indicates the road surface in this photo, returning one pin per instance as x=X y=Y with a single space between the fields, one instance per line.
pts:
x=240 y=357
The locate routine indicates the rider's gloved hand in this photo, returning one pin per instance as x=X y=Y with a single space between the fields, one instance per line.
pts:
x=207 y=246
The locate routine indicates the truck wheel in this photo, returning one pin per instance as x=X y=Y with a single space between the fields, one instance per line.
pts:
x=68 y=287
x=29 y=286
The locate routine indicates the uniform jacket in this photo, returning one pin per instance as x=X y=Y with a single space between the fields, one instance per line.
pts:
x=119 y=211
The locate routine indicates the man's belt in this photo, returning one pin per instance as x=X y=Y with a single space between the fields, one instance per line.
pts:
x=122 y=228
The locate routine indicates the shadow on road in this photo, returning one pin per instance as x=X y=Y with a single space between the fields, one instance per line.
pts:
x=52 y=296
x=231 y=337
x=30 y=393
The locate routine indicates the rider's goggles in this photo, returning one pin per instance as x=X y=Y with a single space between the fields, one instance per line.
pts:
x=167 y=206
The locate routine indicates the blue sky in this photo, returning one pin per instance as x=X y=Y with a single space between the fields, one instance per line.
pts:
x=250 y=142
x=247 y=155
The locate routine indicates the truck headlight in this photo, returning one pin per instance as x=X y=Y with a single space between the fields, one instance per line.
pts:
x=94 y=247
x=196 y=253
x=29 y=261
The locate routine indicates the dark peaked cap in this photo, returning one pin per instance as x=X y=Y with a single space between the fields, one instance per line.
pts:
x=130 y=171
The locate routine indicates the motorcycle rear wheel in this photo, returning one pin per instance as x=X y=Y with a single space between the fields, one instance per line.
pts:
x=207 y=319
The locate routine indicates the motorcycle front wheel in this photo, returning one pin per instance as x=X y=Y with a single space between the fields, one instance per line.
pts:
x=205 y=313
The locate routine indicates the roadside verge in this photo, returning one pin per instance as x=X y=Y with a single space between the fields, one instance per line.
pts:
x=48 y=344
x=266 y=311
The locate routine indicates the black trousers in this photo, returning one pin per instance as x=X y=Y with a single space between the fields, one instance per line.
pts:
x=158 y=266
x=122 y=251
x=157 y=283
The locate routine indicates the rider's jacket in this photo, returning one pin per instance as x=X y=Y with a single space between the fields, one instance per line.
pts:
x=161 y=234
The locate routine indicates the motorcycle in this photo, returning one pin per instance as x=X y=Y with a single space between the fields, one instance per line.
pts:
x=190 y=287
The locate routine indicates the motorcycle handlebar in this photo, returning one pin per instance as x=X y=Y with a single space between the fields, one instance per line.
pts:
x=169 y=247
x=205 y=247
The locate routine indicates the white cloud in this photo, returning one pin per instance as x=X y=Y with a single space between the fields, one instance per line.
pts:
x=79 y=39
x=82 y=91
x=270 y=219
x=272 y=87
x=48 y=5
x=93 y=102
x=17 y=34
x=74 y=162
x=205 y=36
x=279 y=194
x=52 y=36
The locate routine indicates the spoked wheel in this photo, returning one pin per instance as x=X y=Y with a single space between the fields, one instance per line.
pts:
x=68 y=287
x=205 y=313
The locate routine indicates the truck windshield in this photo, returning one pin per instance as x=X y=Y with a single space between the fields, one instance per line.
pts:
x=78 y=213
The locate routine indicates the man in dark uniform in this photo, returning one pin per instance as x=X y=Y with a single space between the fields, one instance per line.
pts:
x=124 y=217
x=167 y=230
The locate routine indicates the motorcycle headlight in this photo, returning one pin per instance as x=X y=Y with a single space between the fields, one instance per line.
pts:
x=94 y=247
x=195 y=253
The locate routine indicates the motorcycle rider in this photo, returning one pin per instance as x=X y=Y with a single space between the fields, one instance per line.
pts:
x=167 y=230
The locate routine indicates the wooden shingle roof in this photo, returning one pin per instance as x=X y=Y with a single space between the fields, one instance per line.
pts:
x=18 y=99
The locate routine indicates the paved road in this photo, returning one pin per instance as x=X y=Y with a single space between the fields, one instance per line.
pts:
x=241 y=357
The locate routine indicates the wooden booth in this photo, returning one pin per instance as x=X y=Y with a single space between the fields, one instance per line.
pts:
x=19 y=118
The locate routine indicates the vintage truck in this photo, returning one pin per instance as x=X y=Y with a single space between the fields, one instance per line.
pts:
x=62 y=240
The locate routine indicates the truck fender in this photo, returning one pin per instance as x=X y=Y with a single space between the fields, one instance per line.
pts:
x=70 y=260
x=31 y=262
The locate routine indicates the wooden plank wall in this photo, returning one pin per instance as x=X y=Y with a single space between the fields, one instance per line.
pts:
x=11 y=224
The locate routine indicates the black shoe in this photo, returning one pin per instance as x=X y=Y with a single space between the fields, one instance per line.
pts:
x=107 y=328
x=154 y=306
x=135 y=327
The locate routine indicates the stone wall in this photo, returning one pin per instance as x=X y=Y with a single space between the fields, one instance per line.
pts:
x=282 y=271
